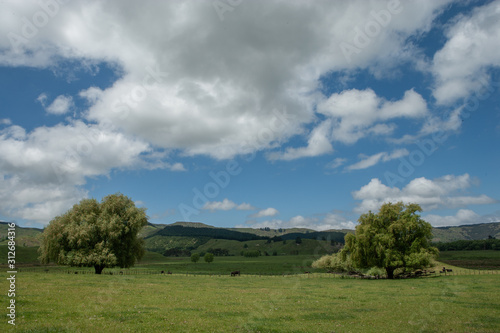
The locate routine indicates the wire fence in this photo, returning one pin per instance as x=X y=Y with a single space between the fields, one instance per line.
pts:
x=135 y=272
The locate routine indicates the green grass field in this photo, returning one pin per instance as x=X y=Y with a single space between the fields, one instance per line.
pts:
x=300 y=303
x=488 y=259
x=155 y=263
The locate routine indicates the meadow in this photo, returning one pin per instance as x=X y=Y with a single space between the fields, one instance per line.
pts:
x=298 y=303
x=487 y=259
x=202 y=297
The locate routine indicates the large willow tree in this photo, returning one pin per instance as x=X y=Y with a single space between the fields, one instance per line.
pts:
x=94 y=234
x=395 y=237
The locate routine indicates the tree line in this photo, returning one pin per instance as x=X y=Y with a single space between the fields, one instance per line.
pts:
x=469 y=245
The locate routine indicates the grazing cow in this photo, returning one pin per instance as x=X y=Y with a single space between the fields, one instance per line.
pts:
x=169 y=272
x=234 y=273
x=162 y=272
x=307 y=272
x=449 y=270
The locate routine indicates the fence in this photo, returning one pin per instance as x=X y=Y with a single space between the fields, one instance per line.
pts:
x=90 y=271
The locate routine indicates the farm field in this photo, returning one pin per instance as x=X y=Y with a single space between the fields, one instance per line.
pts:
x=155 y=263
x=48 y=302
x=487 y=259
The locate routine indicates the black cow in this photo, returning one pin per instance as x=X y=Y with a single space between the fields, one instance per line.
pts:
x=234 y=273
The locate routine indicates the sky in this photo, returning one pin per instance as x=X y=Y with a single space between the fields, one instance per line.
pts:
x=254 y=113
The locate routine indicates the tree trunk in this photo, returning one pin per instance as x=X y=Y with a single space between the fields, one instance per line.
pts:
x=390 y=272
x=98 y=269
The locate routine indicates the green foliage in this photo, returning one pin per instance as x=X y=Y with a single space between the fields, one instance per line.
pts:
x=218 y=252
x=298 y=240
x=335 y=263
x=195 y=257
x=209 y=257
x=395 y=237
x=469 y=245
x=337 y=236
x=177 y=252
x=251 y=254
x=376 y=271
x=96 y=234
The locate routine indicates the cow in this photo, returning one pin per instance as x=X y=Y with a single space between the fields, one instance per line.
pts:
x=169 y=272
x=234 y=273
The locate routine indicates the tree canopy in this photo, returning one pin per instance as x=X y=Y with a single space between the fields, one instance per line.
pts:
x=394 y=238
x=94 y=234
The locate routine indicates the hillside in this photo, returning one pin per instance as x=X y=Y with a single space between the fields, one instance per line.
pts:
x=190 y=235
x=24 y=236
x=467 y=232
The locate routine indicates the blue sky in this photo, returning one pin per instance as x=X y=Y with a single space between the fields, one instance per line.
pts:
x=251 y=113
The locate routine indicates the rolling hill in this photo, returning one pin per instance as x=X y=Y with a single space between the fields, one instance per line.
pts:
x=196 y=236
x=467 y=232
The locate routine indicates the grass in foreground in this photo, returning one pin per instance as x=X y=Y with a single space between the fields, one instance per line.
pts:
x=90 y=303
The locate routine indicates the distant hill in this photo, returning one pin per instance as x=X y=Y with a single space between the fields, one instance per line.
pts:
x=191 y=235
x=24 y=236
x=212 y=232
x=467 y=232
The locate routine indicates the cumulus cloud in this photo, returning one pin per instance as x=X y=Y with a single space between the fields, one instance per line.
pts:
x=60 y=105
x=443 y=192
x=369 y=161
x=471 y=48
x=226 y=204
x=357 y=113
x=266 y=212
x=463 y=216
x=318 y=144
x=216 y=101
x=42 y=171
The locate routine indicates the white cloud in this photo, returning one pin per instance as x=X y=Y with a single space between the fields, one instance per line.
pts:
x=444 y=192
x=60 y=105
x=462 y=217
x=226 y=204
x=357 y=113
x=266 y=212
x=339 y=161
x=472 y=48
x=218 y=100
x=318 y=144
x=42 y=171
x=5 y=121
x=369 y=161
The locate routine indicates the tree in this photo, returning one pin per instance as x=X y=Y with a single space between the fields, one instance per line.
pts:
x=298 y=240
x=195 y=257
x=395 y=237
x=93 y=234
x=209 y=257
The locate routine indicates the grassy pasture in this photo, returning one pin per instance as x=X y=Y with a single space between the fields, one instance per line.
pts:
x=488 y=259
x=155 y=263
x=300 y=303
